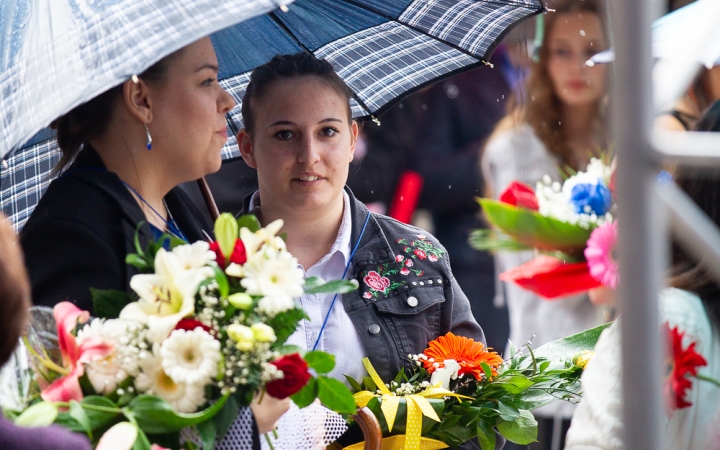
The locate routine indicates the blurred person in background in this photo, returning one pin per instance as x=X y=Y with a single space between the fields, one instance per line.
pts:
x=557 y=123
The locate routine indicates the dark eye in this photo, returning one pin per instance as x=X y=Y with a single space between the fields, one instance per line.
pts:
x=208 y=82
x=284 y=135
x=329 y=131
x=561 y=53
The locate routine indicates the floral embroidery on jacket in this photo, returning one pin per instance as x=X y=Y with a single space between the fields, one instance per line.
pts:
x=419 y=248
x=378 y=283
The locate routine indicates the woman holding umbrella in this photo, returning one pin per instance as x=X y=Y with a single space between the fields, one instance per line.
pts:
x=123 y=154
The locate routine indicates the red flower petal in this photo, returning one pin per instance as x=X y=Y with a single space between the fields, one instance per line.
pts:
x=551 y=278
x=520 y=195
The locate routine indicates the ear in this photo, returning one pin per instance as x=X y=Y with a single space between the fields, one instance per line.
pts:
x=136 y=97
x=354 y=130
x=246 y=148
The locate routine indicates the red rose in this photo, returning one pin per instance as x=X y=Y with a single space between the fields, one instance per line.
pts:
x=520 y=195
x=239 y=256
x=295 y=376
x=420 y=254
x=404 y=271
x=367 y=295
x=190 y=324
x=399 y=258
x=409 y=263
x=433 y=258
x=376 y=281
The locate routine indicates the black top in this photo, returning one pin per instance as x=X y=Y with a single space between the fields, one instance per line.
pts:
x=84 y=226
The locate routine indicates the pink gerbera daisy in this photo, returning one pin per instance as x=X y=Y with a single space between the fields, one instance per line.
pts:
x=600 y=254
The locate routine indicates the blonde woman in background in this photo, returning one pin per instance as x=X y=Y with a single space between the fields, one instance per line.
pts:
x=558 y=122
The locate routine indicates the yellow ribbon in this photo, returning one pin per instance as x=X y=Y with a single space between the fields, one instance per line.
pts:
x=417 y=407
x=399 y=443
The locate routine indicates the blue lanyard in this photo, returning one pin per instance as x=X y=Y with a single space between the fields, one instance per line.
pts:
x=172 y=227
x=347 y=267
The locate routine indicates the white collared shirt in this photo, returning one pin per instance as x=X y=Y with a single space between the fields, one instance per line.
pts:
x=340 y=336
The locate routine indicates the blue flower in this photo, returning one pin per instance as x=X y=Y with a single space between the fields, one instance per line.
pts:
x=593 y=195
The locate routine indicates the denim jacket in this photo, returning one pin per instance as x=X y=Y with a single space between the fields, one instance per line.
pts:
x=407 y=295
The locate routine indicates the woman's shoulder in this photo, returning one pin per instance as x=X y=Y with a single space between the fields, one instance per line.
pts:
x=513 y=136
x=685 y=310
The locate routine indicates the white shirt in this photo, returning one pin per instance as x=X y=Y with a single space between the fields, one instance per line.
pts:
x=340 y=337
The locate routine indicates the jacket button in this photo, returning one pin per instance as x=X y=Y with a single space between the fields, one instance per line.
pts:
x=374 y=328
x=412 y=301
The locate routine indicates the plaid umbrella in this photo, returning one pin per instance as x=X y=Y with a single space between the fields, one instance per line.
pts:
x=382 y=49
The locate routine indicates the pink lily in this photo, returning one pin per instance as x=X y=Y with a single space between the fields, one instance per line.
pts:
x=67 y=388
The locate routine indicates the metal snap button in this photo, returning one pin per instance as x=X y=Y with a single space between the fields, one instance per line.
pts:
x=412 y=301
x=430 y=281
x=374 y=328
x=422 y=284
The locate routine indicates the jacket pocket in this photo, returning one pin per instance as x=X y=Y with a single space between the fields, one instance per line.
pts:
x=411 y=301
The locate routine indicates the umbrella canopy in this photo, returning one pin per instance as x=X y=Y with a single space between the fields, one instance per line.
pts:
x=383 y=50
x=672 y=33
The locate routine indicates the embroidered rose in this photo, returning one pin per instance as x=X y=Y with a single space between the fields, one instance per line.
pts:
x=420 y=254
x=399 y=258
x=432 y=258
x=420 y=273
x=407 y=249
x=409 y=263
x=404 y=271
x=367 y=295
x=376 y=281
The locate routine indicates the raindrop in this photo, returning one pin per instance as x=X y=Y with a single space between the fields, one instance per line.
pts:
x=560 y=122
x=452 y=91
x=401 y=106
x=449 y=186
x=582 y=33
x=590 y=63
x=503 y=96
x=580 y=16
x=424 y=107
x=532 y=97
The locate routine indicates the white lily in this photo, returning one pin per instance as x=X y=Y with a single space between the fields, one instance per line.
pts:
x=253 y=242
x=166 y=296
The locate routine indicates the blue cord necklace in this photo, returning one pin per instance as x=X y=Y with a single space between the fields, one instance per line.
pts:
x=171 y=225
x=347 y=267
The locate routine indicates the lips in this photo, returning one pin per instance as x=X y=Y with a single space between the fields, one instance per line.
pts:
x=222 y=132
x=577 y=85
x=309 y=178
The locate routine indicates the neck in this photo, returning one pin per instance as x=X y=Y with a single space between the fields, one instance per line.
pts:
x=310 y=234
x=578 y=125
x=139 y=169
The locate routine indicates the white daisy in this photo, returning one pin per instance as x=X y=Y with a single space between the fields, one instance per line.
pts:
x=152 y=379
x=272 y=305
x=194 y=256
x=190 y=356
x=105 y=373
x=273 y=273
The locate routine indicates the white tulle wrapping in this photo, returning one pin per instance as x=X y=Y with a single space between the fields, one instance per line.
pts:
x=311 y=428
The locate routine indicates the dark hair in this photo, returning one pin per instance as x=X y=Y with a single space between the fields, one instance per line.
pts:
x=704 y=189
x=286 y=67
x=14 y=291
x=91 y=119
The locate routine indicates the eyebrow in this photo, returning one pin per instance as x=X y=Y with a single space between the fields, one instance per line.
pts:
x=287 y=122
x=208 y=66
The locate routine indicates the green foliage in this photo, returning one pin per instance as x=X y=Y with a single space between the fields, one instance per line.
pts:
x=284 y=324
x=492 y=241
x=335 y=395
x=225 y=417
x=226 y=233
x=108 y=303
x=319 y=361
x=78 y=413
x=535 y=230
x=40 y=414
x=250 y=222
x=305 y=396
x=100 y=411
x=521 y=430
x=316 y=285
x=155 y=415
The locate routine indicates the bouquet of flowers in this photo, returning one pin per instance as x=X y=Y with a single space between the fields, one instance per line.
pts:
x=459 y=390
x=571 y=225
x=205 y=335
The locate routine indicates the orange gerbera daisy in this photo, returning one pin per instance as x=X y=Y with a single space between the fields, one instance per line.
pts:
x=468 y=353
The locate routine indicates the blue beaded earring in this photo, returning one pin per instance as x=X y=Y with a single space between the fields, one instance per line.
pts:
x=148 y=143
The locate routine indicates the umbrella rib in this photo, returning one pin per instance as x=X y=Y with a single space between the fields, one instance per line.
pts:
x=425 y=33
x=287 y=30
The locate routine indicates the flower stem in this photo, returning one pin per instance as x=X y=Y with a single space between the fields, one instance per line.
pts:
x=706 y=378
x=269 y=442
x=45 y=362
x=91 y=407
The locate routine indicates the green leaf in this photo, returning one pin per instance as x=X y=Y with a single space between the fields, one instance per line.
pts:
x=507 y=411
x=289 y=349
x=226 y=233
x=250 y=222
x=333 y=287
x=515 y=384
x=77 y=412
x=533 y=229
x=353 y=384
x=486 y=435
x=486 y=369
x=285 y=324
x=523 y=430
x=40 y=414
x=222 y=281
x=335 y=395
x=224 y=419
x=108 y=303
x=142 y=442
x=492 y=240
x=208 y=434
x=321 y=362
x=369 y=384
x=305 y=396
x=155 y=416
x=137 y=261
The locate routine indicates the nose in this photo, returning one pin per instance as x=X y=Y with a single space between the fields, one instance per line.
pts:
x=226 y=102
x=308 y=152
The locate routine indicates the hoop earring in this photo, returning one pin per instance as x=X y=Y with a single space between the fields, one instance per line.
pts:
x=148 y=143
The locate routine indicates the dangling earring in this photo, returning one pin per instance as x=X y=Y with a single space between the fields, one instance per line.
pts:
x=148 y=144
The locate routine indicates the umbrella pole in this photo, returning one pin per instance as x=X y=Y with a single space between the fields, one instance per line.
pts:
x=208 y=197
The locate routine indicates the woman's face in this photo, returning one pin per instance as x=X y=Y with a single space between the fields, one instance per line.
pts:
x=301 y=146
x=188 y=113
x=573 y=39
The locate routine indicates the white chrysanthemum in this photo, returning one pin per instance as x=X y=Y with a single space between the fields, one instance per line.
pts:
x=190 y=356
x=273 y=273
x=266 y=236
x=273 y=305
x=152 y=379
x=194 y=256
x=600 y=170
x=105 y=373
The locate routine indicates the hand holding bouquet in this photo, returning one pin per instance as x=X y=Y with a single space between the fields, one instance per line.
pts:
x=205 y=334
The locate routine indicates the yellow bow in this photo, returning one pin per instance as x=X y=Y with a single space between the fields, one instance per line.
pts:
x=398 y=443
x=417 y=407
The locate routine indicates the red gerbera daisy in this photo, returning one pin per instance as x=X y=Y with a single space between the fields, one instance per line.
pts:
x=680 y=363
